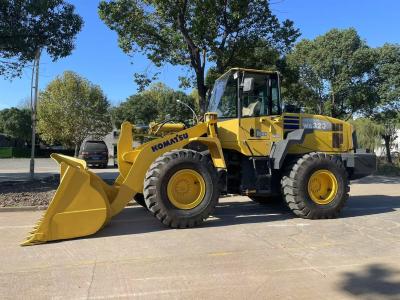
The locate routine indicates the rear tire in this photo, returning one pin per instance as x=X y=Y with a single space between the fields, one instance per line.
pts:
x=165 y=205
x=299 y=192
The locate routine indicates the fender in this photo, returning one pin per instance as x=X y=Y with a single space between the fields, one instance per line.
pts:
x=280 y=149
x=215 y=148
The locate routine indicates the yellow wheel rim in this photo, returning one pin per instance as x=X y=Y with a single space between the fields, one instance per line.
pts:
x=322 y=187
x=186 y=189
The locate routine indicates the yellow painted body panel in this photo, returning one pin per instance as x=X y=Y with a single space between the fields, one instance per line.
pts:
x=321 y=140
x=235 y=134
x=79 y=206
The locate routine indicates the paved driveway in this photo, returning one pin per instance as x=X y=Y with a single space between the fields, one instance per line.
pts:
x=245 y=251
x=14 y=169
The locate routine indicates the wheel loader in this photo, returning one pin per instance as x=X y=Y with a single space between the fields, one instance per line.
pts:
x=245 y=145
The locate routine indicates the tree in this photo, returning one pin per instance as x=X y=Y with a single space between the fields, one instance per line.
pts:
x=387 y=112
x=158 y=103
x=137 y=109
x=389 y=121
x=256 y=55
x=369 y=133
x=192 y=33
x=338 y=69
x=169 y=108
x=28 y=27
x=388 y=70
x=16 y=122
x=72 y=109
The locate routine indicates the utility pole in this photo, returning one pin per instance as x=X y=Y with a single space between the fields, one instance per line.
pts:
x=34 y=97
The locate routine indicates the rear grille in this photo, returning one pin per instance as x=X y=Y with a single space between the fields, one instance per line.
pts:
x=337 y=137
x=337 y=127
x=290 y=123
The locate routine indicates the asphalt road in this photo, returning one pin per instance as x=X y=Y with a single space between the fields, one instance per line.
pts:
x=245 y=250
x=15 y=169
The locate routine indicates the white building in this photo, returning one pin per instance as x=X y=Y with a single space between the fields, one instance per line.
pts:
x=381 y=151
x=111 y=141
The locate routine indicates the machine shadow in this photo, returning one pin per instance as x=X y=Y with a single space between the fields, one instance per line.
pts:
x=378 y=179
x=375 y=281
x=370 y=205
x=136 y=219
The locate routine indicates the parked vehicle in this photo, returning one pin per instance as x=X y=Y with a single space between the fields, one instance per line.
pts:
x=94 y=153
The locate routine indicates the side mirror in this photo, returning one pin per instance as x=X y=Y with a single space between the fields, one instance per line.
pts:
x=248 y=84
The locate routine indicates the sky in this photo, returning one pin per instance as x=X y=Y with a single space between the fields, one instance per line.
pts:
x=98 y=58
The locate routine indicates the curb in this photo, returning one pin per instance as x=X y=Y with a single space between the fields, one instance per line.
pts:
x=22 y=208
x=38 y=208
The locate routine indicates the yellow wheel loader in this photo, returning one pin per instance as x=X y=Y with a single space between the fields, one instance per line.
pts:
x=245 y=145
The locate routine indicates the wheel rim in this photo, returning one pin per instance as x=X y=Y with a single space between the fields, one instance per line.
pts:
x=186 y=189
x=322 y=187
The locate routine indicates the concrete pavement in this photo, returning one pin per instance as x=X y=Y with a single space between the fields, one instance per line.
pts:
x=246 y=250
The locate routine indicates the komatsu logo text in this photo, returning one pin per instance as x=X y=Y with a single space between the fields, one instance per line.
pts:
x=176 y=139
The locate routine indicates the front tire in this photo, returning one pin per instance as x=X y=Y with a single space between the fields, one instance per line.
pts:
x=139 y=198
x=316 y=187
x=181 y=188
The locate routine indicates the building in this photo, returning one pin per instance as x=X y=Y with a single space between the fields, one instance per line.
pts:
x=381 y=151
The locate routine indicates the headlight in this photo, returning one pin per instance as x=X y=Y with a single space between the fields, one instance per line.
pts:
x=211 y=117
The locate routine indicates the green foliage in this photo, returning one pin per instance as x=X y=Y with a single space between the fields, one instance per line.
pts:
x=369 y=133
x=26 y=26
x=137 y=109
x=16 y=123
x=387 y=169
x=259 y=54
x=158 y=103
x=71 y=109
x=388 y=69
x=191 y=33
x=336 y=73
x=9 y=152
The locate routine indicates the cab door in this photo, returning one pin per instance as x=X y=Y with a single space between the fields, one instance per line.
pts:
x=260 y=122
x=258 y=133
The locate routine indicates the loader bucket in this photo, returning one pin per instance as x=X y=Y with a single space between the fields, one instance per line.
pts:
x=80 y=206
x=84 y=203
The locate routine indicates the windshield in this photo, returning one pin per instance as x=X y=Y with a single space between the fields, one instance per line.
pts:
x=223 y=98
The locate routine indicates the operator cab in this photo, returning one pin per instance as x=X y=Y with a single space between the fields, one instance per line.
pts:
x=242 y=93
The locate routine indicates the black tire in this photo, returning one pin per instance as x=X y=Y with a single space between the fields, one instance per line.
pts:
x=295 y=186
x=139 y=198
x=155 y=188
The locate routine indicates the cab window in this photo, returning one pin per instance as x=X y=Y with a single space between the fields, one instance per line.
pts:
x=254 y=98
x=260 y=95
x=275 y=108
